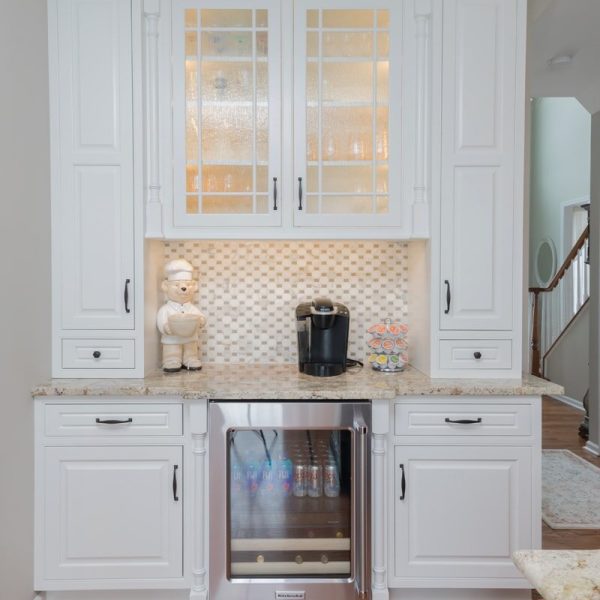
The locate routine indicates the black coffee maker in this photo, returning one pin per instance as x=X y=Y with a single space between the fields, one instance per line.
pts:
x=322 y=327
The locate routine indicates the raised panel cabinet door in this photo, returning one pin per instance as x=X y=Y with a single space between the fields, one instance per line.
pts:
x=478 y=154
x=347 y=113
x=227 y=113
x=93 y=163
x=112 y=513
x=463 y=512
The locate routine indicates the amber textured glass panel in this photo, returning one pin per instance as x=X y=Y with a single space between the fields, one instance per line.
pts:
x=227 y=205
x=262 y=44
x=338 y=44
x=347 y=19
x=227 y=81
x=312 y=135
x=226 y=178
x=312 y=180
x=191 y=205
x=226 y=17
x=227 y=133
x=312 y=83
x=383 y=85
x=383 y=19
x=382 y=179
x=312 y=44
x=191 y=178
x=383 y=205
x=262 y=134
x=191 y=43
x=346 y=81
x=346 y=204
x=262 y=205
x=262 y=18
x=262 y=178
x=191 y=18
x=312 y=204
x=226 y=43
x=353 y=180
x=262 y=82
x=312 y=18
x=382 y=133
x=349 y=131
x=383 y=45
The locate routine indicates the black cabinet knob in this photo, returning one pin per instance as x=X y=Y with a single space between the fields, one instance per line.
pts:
x=477 y=355
x=97 y=354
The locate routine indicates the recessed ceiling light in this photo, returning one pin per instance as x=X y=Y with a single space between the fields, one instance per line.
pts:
x=560 y=59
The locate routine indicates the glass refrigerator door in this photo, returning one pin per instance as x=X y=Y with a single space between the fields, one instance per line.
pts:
x=290 y=510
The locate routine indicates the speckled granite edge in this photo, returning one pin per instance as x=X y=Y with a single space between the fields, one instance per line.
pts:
x=562 y=574
x=284 y=382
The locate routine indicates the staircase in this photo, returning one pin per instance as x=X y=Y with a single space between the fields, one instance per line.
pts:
x=553 y=309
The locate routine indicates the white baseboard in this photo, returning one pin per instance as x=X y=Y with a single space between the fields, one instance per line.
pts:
x=592 y=448
x=120 y=595
x=578 y=404
x=446 y=594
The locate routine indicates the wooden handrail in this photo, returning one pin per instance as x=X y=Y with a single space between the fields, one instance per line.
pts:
x=579 y=244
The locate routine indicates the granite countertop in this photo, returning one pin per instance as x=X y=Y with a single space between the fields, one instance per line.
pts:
x=284 y=382
x=562 y=574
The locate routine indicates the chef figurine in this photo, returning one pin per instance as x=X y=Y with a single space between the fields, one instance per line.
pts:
x=179 y=320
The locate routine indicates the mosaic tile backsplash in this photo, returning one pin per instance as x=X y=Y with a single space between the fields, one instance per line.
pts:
x=249 y=291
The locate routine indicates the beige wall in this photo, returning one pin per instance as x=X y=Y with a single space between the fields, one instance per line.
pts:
x=25 y=271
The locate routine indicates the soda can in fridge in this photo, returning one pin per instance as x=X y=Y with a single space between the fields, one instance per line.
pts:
x=331 y=481
x=299 y=488
x=315 y=481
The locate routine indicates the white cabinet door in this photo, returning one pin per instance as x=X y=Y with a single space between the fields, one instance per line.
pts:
x=347 y=113
x=111 y=513
x=227 y=113
x=93 y=162
x=478 y=153
x=465 y=510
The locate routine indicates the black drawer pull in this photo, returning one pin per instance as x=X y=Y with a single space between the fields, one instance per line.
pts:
x=96 y=354
x=463 y=421
x=113 y=421
x=299 y=193
x=448 y=297
x=477 y=355
x=175 y=496
x=274 y=193
x=403 y=484
x=126 y=295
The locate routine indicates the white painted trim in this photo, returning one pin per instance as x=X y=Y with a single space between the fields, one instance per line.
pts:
x=592 y=448
x=572 y=402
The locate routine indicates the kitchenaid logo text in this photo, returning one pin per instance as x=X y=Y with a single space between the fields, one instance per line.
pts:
x=289 y=595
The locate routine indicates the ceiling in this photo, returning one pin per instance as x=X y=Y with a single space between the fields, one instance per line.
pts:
x=565 y=27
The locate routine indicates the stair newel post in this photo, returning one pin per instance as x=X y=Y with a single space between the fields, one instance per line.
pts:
x=535 y=336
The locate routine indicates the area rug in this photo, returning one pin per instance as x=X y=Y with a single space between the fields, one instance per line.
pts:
x=570 y=491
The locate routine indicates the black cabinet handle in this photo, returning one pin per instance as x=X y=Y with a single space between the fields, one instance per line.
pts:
x=96 y=354
x=448 y=297
x=175 y=496
x=403 y=484
x=113 y=421
x=274 y=193
x=477 y=355
x=299 y=193
x=126 y=295
x=463 y=421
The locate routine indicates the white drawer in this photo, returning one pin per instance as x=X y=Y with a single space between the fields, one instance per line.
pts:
x=96 y=419
x=98 y=354
x=475 y=354
x=482 y=419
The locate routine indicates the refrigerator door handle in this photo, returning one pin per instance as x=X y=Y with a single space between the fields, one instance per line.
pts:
x=362 y=432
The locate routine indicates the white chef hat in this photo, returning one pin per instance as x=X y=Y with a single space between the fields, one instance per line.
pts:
x=179 y=270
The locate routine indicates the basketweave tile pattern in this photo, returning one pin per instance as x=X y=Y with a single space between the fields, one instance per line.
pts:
x=248 y=291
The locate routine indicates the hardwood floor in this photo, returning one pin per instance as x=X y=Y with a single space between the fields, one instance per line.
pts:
x=559 y=430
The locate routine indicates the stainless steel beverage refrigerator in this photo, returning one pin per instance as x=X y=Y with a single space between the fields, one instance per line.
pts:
x=289 y=500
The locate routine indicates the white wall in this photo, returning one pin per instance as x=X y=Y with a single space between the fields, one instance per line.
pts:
x=560 y=167
x=568 y=363
x=25 y=269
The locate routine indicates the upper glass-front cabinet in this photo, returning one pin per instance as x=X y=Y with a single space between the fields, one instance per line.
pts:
x=346 y=134
x=227 y=105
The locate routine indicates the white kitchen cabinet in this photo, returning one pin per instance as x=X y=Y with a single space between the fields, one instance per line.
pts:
x=93 y=228
x=477 y=220
x=460 y=512
x=287 y=119
x=113 y=512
